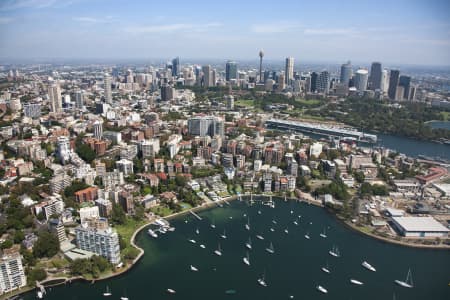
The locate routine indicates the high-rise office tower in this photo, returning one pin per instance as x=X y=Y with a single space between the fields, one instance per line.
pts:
x=375 y=76
x=289 y=70
x=323 y=82
x=166 y=92
x=206 y=76
x=384 y=81
x=54 y=93
x=393 y=83
x=231 y=71
x=98 y=130
x=175 y=66
x=108 y=94
x=79 y=99
x=405 y=82
x=281 y=82
x=63 y=150
x=314 y=77
x=361 y=78
x=261 y=55
x=130 y=76
x=346 y=73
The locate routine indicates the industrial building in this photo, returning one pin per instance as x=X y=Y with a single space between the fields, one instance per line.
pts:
x=420 y=227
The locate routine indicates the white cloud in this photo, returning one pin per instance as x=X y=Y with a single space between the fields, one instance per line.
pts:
x=16 y=4
x=274 y=27
x=5 y=20
x=169 y=28
x=329 y=31
x=92 y=20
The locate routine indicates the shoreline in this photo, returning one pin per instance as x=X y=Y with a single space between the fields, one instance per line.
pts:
x=202 y=207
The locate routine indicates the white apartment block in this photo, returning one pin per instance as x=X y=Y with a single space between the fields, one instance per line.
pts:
x=12 y=275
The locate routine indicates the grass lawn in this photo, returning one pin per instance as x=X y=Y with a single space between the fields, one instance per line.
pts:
x=127 y=230
x=161 y=210
x=244 y=102
x=446 y=115
x=309 y=102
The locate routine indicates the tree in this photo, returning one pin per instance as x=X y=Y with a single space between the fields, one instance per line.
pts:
x=118 y=215
x=6 y=244
x=85 y=152
x=47 y=245
x=180 y=180
x=36 y=274
x=359 y=176
x=18 y=236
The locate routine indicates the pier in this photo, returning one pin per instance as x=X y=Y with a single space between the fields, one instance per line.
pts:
x=195 y=215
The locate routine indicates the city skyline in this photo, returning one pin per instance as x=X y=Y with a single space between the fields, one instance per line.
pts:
x=404 y=32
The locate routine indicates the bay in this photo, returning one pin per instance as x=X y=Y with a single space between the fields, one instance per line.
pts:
x=294 y=269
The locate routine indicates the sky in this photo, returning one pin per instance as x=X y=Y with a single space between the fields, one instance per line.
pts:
x=391 y=31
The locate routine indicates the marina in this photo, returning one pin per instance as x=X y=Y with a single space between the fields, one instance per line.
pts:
x=295 y=271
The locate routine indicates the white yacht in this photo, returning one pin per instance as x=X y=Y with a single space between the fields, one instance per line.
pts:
x=171 y=291
x=202 y=246
x=286 y=231
x=321 y=289
x=326 y=269
x=323 y=234
x=307 y=236
x=260 y=237
x=197 y=231
x=247 y=225
x=368 y=266
x=40 y=295
x=246 y=259
x=271 y=229
x=218 y=251
x=194 y=268
x=357 y=282
x=270 y=249
x=274 y=222
x=408 y=283
x=295 y=223
x=107 y=293
x=334 y=252
x=152 y=233
x=192 y=241
x=248 y=245
x=224 y=236
x=262 y=280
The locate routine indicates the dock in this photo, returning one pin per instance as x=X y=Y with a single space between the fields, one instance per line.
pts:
x=195 y=215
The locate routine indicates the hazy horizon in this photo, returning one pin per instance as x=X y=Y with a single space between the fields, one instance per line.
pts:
x=392 y=32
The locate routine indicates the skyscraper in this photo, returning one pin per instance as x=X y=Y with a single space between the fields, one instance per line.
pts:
x=289 y=70
x=54 y=93
x=108 y=94
x=323 y=82
x=314 y=77
x=393 y=83
x=231 y=71
x=206 y=76
x=261 y=55
x=375 y=76
x=79 y=99
x=98 y=130
x=405 y=82
x=384 y=81
x=361 y=78
x=346 y=73
x=175 y=66
x=166 y=92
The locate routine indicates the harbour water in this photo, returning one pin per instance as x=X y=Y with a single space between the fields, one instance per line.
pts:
x=412 y=147
x=293 y=270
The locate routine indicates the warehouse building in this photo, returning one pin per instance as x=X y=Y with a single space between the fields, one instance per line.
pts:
x=420 y=227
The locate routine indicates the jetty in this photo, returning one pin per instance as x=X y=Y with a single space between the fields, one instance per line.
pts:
x=195 y=215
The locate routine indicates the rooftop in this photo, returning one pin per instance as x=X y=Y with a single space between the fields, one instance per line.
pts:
x=420 y=224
